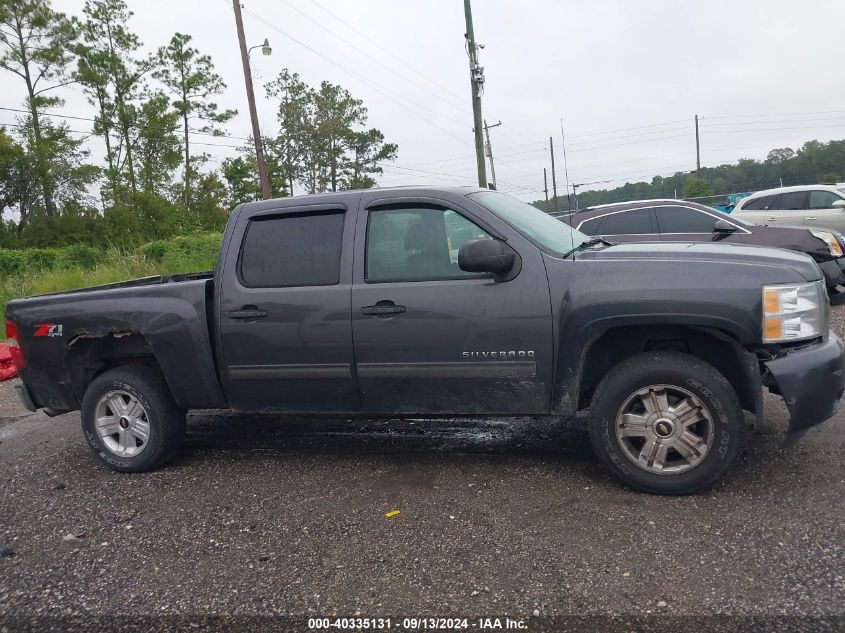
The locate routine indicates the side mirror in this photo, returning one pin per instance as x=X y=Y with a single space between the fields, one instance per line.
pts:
x=722 y=226
x=485 y=256
x=839 y=204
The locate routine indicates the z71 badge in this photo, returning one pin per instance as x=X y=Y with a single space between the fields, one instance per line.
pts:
x=48 y=329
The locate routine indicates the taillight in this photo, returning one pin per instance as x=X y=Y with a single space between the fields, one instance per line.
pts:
x=14 y=346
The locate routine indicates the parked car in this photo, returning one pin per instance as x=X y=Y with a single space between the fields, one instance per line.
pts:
x=807 y=205
x=350 y=303
x=680 y=221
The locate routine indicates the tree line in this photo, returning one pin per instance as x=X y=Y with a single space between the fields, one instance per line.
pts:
x=154 y=111
x=813 y=162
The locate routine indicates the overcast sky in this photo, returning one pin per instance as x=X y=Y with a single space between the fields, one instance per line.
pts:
x=626 y=77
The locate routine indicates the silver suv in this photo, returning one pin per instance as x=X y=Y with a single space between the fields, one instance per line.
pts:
x=807 y=205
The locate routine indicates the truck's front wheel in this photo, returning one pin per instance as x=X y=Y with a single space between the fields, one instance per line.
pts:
x=130 y=420
x=666 y=422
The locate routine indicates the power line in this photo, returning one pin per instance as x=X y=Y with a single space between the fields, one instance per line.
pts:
x=384 y=91
x=352 y=45
x=346 y=24
x=757 y=116
x=175 y=130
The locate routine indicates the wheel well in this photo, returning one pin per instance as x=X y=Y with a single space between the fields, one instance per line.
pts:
x=88 y=357
x=712 y=346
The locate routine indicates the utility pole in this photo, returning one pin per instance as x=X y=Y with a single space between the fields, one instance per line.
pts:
x=546 y=189
x=697 y=147
x=575 y=194
x=554 y=179
x=253 y=113
x=476 y=82
x=490 y=151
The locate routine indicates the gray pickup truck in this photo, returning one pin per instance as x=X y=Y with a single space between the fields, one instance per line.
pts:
x=423 y=302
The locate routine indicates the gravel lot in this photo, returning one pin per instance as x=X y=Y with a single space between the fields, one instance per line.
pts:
x=263 y=518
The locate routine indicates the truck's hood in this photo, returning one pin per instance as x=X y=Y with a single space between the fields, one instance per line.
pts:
x=742 y=254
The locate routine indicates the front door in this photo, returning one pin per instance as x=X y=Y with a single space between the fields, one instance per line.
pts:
x=283 y=309
x=821 y=212
x=432 y=339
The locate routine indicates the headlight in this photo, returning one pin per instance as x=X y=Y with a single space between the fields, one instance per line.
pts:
x=793 y=312
x=830 y=239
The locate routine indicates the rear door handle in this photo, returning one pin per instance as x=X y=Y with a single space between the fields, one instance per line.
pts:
x=811 y=218
x=247 y=312
x=383 y=308
x=771 y=219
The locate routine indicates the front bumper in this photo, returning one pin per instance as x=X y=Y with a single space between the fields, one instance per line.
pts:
x=811 y=381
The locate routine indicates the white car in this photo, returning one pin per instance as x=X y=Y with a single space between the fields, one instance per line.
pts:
x=807 y=205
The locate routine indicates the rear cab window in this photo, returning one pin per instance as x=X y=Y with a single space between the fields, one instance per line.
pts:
x=294 y=249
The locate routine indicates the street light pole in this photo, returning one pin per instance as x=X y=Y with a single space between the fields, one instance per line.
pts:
x=253 y=113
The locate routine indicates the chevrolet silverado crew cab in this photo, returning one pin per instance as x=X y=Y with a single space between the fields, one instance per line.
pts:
x=423 y=302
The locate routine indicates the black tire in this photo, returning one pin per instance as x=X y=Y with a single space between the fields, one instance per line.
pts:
x=166 y=420
x=674 y=369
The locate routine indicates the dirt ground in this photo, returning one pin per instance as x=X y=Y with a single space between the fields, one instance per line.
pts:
x=262 y=524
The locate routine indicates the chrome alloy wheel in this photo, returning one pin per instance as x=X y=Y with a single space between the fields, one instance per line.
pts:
x=664 y=429
x=122 y=424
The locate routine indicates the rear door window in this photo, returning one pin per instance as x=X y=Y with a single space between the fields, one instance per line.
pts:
x=633 y=222
x=673 y=219
x=792 y=201
x=292 y=250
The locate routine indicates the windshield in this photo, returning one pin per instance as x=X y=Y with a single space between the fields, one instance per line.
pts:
x=550 y=234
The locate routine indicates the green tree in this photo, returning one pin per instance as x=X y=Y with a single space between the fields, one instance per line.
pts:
x=320 y=143
x=287 y=149
x=190 y=77
x=369 y=151
x=19 y=189
x=112 y=77
x=35 y=44
x=696 y=188
x=157 y=144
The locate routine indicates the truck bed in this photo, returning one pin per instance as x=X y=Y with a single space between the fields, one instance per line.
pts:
x=168 y=316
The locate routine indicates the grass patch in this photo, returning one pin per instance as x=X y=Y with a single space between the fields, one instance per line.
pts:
x=57 y=270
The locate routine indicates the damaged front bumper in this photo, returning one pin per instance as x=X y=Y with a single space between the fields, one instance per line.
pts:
x=811 y=380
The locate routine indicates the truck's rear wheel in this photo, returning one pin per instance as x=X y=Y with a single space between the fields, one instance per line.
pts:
x=130 y=420
x=666 y=422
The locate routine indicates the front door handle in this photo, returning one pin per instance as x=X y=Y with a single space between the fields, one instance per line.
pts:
x=811 y=219
x=247 y=312
x=771 y=220
x=383 y=308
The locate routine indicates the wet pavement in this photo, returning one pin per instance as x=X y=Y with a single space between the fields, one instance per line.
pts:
x=261 y=517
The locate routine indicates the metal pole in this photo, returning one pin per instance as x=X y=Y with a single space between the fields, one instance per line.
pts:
x=546 y=189
x=253 y=113
x=697 y=147
x=490 y=151
x=476 y=80
x=554 y=179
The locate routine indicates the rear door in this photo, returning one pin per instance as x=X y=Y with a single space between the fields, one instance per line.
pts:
x=788 y=208
x=283 y=310
x=756 y=210
x=821 y=212
x=432 y=339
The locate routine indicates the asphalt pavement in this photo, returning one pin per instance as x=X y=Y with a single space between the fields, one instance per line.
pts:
x=262 y=524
